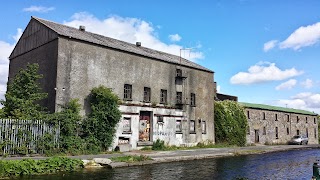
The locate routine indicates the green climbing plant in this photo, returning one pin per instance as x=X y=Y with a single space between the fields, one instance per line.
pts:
x=230 y=123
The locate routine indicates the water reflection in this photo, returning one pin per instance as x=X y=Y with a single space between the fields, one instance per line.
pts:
x=281 y=165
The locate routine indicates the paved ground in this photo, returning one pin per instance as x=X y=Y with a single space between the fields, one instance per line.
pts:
x=167 y=156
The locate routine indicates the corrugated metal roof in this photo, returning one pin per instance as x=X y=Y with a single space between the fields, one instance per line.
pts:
x=276 y=108
x=67 y=31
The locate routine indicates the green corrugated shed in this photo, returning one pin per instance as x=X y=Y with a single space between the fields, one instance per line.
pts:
x=275 y=108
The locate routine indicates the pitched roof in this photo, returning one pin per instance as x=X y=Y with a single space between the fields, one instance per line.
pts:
x=276 y=108
x=75 y=33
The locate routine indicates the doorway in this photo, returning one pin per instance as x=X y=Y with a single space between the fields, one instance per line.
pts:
x=145 y=124
x=256 y=136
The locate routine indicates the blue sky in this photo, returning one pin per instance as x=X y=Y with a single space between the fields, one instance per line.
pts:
x=261 y=51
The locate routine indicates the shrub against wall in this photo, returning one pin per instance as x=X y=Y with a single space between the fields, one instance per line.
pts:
x=99 y=128
x=230 y=123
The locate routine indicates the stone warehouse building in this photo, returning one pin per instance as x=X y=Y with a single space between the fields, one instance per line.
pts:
x=277 y=125
x=163 y=96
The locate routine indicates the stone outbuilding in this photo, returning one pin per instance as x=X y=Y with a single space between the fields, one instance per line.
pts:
x=163 y=96
x=277 y=125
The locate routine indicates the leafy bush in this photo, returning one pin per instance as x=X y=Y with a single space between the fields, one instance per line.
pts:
x=104 y=116
x=230 y=123
x=159 y=145
x=31 y=167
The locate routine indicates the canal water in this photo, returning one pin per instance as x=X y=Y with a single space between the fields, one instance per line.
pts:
x=295 y=165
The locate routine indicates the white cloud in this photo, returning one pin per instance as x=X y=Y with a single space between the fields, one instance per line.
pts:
x=175 y=37
x=39 y=9
x=302 y=37
x=269 y=45
x=287 y=85
x=5 y=50
x=263 y=72
x=218 y=89
x=306 y=100
x=308 y=83
x=128 y=29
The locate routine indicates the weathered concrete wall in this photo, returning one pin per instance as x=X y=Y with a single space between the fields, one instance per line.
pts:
x=286 y=123
x=82 y=66
x=46 y=57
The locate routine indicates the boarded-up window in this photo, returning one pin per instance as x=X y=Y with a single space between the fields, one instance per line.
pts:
x=192 y=126
x=264 y=131
x=146 y=94
x=126 y=125
x=178 y=126
x=203 y=127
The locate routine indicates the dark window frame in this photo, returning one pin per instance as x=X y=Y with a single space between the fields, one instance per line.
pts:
x=248 y=114
x=178 y=72
x=276 y=117
x=127 y=94
x=179 y=97
x=163 y=96
x=179 y=130
x=192 y=131
x=204 y=127
x=288 y=131
x=277 y=133
x=263 y=116
x=193 y=99
x=146 y=94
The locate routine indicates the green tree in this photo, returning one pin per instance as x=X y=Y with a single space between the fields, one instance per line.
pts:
x=2 y=115
x=23 y=95
x=230 y=123
x=99 y=128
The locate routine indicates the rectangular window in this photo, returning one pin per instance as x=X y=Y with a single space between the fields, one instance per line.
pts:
x=264 y=131
x=263 y=115
x=179 y=97
x=315 y=133
x=307 y=133
x=297 y=119
x=248 y=114
x=306 y=119
x=163 y=96
x=127 y=95
x=192 y=126
x=159 y=119
x=298 y=132
x=179 y=73
x=146 y=94
x=178 y=126
x=193 y=99
x=314 y=121
x=203 y=127
x=276 y=117
x=288 y=118
x=288 y=132
x=277 y=135
x=126 y=125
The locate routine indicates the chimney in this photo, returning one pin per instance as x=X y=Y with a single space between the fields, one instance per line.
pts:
x=138 y=44
x=82 y=28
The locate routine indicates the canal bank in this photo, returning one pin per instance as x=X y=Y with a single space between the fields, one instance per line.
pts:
x=182 y=155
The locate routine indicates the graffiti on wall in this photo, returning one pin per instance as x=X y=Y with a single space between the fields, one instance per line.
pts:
x=163 y=133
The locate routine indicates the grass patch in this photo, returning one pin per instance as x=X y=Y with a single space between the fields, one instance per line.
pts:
x=14 y=168
x=130 y=159
x=159 y=145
